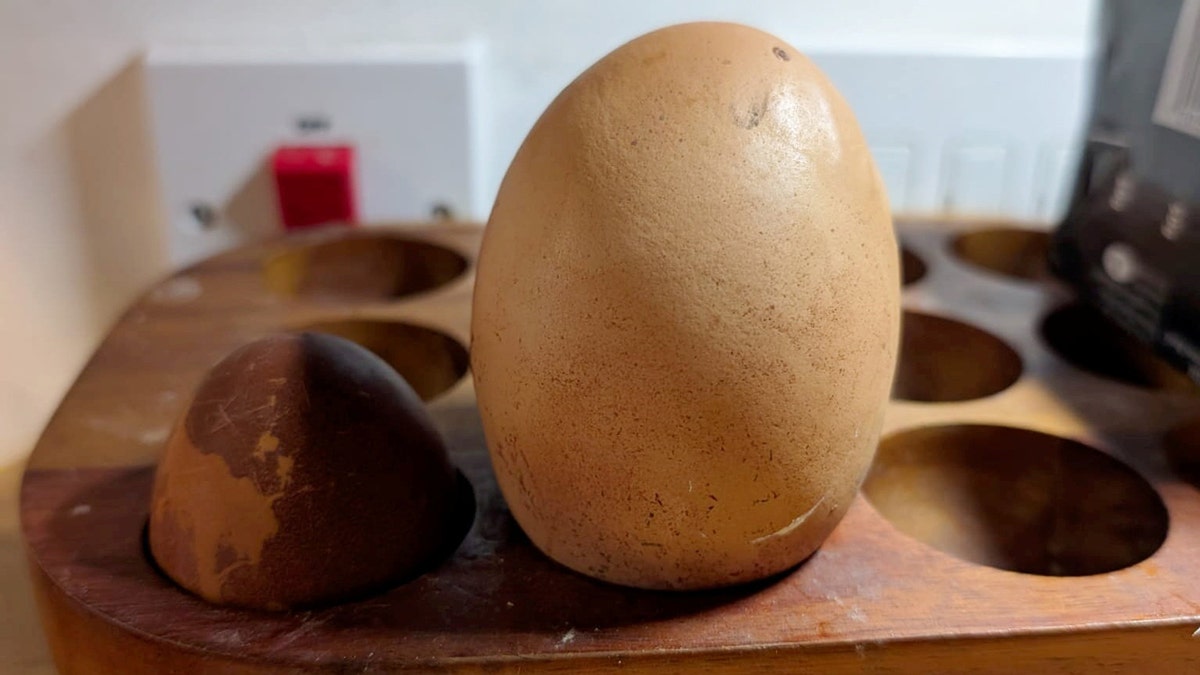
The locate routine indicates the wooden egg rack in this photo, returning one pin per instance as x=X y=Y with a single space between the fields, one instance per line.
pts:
x=1023 y=514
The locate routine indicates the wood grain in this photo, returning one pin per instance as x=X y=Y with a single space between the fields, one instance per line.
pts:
x=871 y=600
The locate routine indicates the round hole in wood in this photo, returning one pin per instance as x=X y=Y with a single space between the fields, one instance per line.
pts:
x=1083 y=337
x=1016 y=499
x=912 y=267
x=1008 y=251
x=429 y=360
x=945 y=360
x=375 y=267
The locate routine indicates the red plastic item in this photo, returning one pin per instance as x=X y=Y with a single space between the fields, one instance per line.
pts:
x=314 y=185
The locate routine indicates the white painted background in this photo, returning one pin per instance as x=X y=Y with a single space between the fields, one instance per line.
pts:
x=80 y=220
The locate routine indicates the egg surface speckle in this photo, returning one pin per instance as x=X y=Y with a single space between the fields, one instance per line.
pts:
x=686 y=313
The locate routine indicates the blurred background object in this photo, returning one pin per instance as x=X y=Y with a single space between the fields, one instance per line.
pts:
x=1130 y=240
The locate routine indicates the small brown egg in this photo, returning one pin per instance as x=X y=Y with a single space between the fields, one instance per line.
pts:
x=305 y=471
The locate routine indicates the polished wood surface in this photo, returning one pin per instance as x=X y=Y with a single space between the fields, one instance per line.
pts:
x=932 y=592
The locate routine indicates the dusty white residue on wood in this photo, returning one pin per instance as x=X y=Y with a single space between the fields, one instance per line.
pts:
x=307 y=625
x=790 y=527
x=230 y=637
x=857 y=614
x=101 y=424
x=118 y=424
x=178 y=291
x=81 y=510
x=854 y=612
x=154 y=436
x=567 y=637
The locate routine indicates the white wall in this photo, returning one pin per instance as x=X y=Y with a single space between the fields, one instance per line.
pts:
x=79 y=218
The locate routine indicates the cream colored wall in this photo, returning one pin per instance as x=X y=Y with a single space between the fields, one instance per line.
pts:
x=78 y=216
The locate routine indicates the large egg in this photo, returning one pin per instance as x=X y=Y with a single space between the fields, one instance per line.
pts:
x=686 y=313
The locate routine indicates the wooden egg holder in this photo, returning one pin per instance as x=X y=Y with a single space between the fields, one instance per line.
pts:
x=989 y=496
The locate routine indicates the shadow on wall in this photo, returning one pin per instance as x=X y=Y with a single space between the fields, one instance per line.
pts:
x=22 y=645
x=252 y=208
x=113 y=167
x=125 y=226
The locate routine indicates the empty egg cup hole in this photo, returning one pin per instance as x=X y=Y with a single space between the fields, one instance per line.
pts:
x=456 y=529
x=429 y=360
x=1007 y=251
x=375 y=267
x=1016 y=499
x=912 y=267
x=1083 y=337
x=944 y=360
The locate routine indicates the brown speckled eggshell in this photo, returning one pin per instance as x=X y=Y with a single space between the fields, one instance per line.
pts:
x=305 y=471
x=686 y=313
